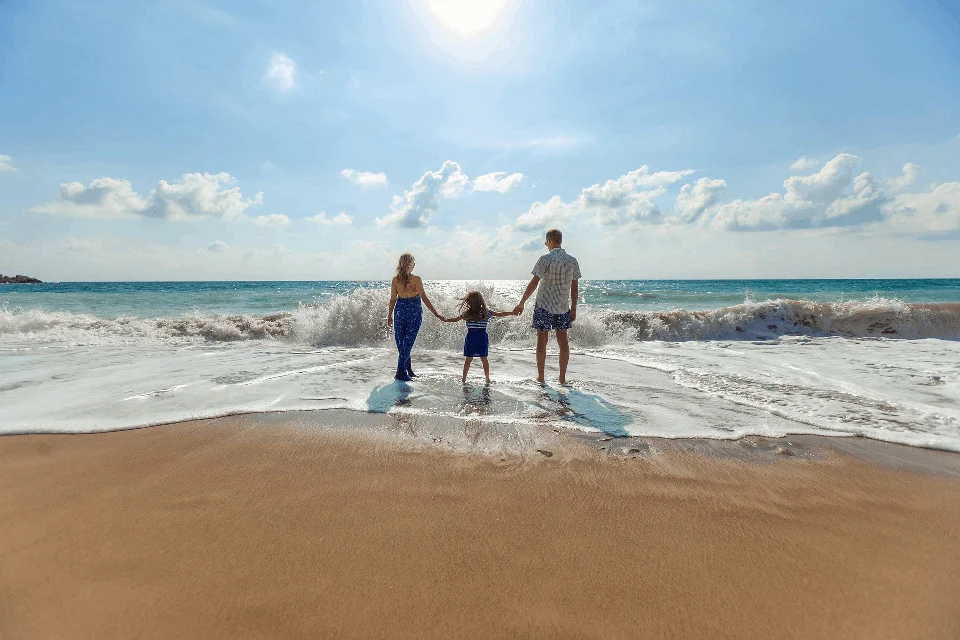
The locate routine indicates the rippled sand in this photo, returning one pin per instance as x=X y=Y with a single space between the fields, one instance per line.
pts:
x=258 y=528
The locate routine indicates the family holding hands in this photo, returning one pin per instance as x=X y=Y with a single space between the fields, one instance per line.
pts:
x=555 y=279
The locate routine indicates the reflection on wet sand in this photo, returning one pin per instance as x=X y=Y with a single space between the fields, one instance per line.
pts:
x=585 y=409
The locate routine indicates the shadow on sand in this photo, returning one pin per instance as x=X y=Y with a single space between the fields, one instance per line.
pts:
x=395 y=394
x=586 y=409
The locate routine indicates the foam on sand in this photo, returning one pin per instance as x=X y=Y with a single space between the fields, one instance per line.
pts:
x=759 y=368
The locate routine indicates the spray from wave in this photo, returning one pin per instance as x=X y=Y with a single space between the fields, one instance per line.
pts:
x=359 y=319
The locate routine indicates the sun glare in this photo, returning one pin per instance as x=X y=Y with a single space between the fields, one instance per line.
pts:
x=466 y=18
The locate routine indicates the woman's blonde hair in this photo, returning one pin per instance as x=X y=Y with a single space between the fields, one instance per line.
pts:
x=473 y=307
x=403 y=268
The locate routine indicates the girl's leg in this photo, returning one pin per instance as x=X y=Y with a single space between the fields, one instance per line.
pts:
x=486 y=368
x=466 y=367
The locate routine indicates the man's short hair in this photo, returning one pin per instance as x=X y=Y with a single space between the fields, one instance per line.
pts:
x=555 y=236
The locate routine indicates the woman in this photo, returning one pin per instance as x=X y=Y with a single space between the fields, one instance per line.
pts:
x=405 y=313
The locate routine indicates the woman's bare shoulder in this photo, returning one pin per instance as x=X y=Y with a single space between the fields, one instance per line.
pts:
x=415 y=279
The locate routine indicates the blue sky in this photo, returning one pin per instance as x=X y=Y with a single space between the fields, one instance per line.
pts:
x=181 y=139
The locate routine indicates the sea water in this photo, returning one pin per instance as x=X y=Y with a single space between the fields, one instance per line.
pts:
x=717 y=359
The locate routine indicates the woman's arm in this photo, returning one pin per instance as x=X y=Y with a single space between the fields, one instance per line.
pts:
x=426 y=300
x=393 y=301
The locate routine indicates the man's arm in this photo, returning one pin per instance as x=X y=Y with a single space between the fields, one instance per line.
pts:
x=534 y=281
x=574 y=295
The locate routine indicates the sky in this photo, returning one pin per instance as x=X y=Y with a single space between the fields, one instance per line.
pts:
x=255 y=140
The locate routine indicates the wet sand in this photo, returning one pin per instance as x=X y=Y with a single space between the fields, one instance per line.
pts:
x=254 y=528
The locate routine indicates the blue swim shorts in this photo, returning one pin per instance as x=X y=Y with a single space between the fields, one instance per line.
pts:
x=545 y=321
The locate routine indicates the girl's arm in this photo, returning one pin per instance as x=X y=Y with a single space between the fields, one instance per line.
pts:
x=457 y=319
x=503 y=314
x=393 y=301
x=426 y=300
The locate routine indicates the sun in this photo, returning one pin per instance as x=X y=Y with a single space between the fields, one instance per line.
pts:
x=466 y=18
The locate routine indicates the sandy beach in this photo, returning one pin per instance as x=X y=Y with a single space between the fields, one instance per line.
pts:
x=258 y=529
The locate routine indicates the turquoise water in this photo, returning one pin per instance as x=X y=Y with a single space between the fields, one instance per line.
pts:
x=170 y=299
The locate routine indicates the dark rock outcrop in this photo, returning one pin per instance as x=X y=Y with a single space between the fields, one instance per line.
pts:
x=18 y=279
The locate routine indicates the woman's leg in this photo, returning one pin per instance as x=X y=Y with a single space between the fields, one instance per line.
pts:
x=399 y=335
x=406 y=326
x=466 y=367
x=486 y=368
x=413 y=328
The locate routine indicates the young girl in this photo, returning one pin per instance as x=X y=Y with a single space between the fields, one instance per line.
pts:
x=474 y=310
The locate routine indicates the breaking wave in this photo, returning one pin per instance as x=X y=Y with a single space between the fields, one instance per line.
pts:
x=359 y=319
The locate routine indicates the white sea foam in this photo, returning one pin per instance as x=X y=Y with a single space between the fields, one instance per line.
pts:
x=358 y=319
x=772 y=367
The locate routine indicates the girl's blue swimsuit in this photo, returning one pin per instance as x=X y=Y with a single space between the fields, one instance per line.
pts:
x=407 y=316
x=477 y=342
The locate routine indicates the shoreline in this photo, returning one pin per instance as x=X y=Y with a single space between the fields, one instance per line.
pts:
x=255 y=527
x=435 y=430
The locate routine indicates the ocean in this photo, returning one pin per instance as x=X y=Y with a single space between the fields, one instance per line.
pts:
x=671 y=358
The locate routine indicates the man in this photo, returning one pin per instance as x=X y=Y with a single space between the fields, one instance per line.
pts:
x=557 y=274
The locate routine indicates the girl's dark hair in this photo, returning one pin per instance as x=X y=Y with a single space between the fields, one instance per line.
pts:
x=403 y=275
x=473 y=307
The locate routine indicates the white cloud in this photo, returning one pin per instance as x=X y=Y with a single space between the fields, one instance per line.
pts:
x=864 y=205
x=272 y=220
x=281 y=72
x=322 y=219
x=498 y=181
x=615 y=209
x=194 y=195
x=532 y=244
x=199 y=195
x=831 y=197
x=544 y=215
x=825 y=185
x=631 y=198
x=807 y=200
x=695 y=199
x=803 y=163
x=418 y=205
x=217 y=246
x=366 y=179
x=937 y=210
x=907 y=179
x=103 y=198
x=455 y=182
x=6 y=164
x=768 y=212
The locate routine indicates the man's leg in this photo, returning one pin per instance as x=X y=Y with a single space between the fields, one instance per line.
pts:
x=542 y=337
x=564 y=354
